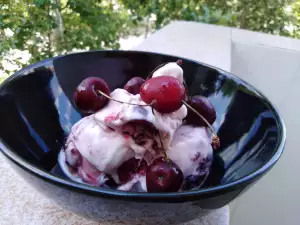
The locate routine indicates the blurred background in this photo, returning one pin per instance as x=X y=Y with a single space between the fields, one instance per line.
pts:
x=32 y=30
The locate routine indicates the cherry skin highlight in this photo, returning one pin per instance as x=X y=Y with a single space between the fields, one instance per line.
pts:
x=86 y=98
x=165 y=93
x=163 y=176
x=203 y=106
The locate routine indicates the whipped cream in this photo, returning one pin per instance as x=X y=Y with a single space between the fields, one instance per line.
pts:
x=116 y=114
x=170 y=69
x=101 y=146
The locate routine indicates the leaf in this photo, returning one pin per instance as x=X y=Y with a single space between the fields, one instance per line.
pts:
x=94 y=24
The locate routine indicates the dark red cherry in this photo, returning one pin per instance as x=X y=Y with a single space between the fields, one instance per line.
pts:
x=166 y=93
x=203 y=106
x=162 y=176
x=130 y=168
x=86 y=98
x=133 y=86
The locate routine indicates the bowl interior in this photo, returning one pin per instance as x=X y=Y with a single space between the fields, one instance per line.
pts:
x=37 y=111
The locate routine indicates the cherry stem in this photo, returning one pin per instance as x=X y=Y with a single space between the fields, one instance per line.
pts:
x=215 y=138
x=186 y=90
x=202 y=182
x=179 y=62
x=152 y=111
x=129 y=103
x=139 y=164
x=156 y=68
x=165 y=154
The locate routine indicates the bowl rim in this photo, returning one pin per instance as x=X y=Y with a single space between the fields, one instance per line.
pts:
x=141 y=196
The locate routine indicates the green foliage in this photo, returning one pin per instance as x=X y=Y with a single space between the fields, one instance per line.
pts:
x=166 y=11
x=296 y=18
x=45 y=28
x=267 y=16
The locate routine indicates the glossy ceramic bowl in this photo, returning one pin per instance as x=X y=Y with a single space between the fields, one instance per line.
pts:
x=37 y=113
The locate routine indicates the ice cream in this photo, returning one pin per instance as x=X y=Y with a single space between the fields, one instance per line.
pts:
x=191 y=150
x=170 y=69
x=120 y=116
x=117 y=133
x=127 y=130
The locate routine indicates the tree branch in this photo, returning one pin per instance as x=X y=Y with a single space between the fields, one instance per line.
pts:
x=147 y=26
x=59 y=18
x=59 y=32
x=29 y=12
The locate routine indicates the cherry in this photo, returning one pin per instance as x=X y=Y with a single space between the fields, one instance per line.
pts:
x=163 y=176
x=130 y=168
x=164 y=93
x=133 y=86
x=203 y=106
x=86 y=97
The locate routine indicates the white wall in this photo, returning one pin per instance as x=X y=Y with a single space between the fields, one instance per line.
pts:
x=275 y=70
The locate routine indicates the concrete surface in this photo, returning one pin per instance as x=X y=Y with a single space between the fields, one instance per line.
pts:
x=192 y=40
x=21 y=204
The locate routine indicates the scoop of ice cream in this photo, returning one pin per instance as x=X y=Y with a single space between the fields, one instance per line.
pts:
x=122 y=117
x=83 y=171
x=100 y=145
x=170 y=69
x=191 y=150
x=119 y=132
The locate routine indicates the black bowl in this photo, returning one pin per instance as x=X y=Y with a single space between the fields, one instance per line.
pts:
x=37 y=113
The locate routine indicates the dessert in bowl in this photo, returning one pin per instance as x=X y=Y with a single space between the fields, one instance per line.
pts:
x=113 y=161
x=155 y=143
